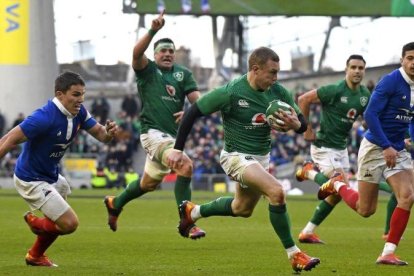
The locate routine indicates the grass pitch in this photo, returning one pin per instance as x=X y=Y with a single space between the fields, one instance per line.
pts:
x=147 y=242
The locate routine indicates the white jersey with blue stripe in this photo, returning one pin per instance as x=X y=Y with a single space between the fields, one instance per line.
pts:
x=390 y=111
x=50 y=130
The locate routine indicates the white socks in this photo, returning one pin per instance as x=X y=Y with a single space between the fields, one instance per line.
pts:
x=195 y=213
x=311 y=175
x=338 y=185
x=389 y=248
x=291 y=251
x=309 y=228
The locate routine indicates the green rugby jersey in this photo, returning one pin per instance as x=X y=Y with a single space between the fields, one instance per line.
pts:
x=243 y=113
x=402 y=8
x=341 y=106
x=162 y=94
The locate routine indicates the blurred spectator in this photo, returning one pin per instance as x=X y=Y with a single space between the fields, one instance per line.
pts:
x=18 y=120
x=129 y=176
x=130 y=105
x=111 y=157
x=98 y=179
x=9 y=161
x=2 y=124
x=124 y=156
x=100 y=108
x=113 y=178
x=370 y=85
x=130 y=129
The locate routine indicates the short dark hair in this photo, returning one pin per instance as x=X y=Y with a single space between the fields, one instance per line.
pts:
x=355 y=57
x=261 y=55
x=163 y=40
x=407 y=47
x=65 y=80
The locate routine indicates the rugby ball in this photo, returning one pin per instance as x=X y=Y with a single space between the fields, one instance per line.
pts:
x=273 y=121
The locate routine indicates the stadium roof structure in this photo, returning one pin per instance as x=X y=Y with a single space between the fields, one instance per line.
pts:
x=272 y=7
x=238 y=12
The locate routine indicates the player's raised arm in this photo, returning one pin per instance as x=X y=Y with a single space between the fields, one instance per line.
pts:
x=139 y=59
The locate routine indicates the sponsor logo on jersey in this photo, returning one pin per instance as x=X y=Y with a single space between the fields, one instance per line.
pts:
x=404 y=118
x=363 y=101
x=59 y=133
x=243 y=103
x=352 y=113
x=170 y=90
x=407 y=117
x=344 y=99
x=179 y=76
x=259 y=119
x=63 y=146
x=407 y=111
x=248 y=157
x=58 y=154
x=171 y=99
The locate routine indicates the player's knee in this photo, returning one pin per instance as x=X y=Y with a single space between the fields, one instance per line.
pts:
x=242 y=208
x=69 y=226
x=244 y=213
x=276 y=196
x=366 y=213
x=406 y=201
x=150 y=185
x=186 y=169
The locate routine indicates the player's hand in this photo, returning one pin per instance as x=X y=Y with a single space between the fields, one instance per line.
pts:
x=309 y=135
x=390 y=157
x=158 y=22
x=178 y=116
x=111 y=128
x=175 y=159
x=290 y=119
x=407 y=143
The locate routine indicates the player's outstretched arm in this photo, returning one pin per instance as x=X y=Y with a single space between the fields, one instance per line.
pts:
x=105 y=133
